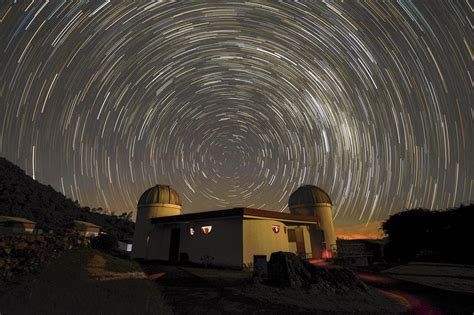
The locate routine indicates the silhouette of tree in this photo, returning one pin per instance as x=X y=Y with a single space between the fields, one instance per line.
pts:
x=430 y=235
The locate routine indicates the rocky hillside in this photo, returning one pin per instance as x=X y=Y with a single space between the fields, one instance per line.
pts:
x=21 y=195
x=26 y=254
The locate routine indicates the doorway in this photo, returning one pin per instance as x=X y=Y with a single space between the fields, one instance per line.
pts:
x=174 y=244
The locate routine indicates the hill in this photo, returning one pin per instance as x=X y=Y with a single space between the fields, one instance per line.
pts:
x=21 y=195
x=86 y=281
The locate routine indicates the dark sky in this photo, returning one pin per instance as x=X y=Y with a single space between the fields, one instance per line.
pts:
x=238 y=104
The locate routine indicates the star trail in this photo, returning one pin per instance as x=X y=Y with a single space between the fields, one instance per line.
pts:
x=237 y=104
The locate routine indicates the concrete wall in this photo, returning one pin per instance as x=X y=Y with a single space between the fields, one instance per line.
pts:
x=317 y=241
x=259 y=239
x=158 y=247
x=143 y=226
x=303 y=235
x=327 y=225
x=307 y=241
x=221 y=247
x=292 y=247
x=324 y=212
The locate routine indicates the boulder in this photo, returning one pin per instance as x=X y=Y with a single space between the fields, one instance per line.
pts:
x=335 y=278
x=288 y=270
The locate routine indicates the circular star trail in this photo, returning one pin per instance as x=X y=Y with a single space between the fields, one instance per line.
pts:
x=238 y=104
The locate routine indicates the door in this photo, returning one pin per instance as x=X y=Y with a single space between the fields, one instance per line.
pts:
x=174 y=244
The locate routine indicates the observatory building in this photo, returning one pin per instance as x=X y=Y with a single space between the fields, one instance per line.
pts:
x=232 y=237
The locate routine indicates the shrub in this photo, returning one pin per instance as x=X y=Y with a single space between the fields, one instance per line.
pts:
x=104 y=242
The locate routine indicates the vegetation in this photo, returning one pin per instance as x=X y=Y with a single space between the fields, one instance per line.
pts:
x=22 y=196
x=422 y=234
x=86 y=281
x=104 y=242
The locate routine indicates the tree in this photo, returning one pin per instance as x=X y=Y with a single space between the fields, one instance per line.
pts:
x=441 y=235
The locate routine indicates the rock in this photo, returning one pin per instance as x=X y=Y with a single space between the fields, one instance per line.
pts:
x=335 y=278
x=288 y=270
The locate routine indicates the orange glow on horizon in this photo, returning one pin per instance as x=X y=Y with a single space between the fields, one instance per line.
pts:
x=360 y=231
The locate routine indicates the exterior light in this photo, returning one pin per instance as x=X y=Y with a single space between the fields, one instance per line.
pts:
x=276 y=228
x=191 y=231
x=206 y=229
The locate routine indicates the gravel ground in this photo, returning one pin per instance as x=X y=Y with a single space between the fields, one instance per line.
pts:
x=199 y=291
x=457 y=278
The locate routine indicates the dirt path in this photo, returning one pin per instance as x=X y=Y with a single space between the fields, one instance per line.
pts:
x=418 y=298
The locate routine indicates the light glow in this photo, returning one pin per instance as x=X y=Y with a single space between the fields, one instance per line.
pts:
x=206 y=229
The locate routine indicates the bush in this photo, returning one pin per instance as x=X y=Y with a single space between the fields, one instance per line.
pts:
x=104 y=242
x=430 y=235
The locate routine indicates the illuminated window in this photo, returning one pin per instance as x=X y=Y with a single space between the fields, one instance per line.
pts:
x=276 y=228
x=191 y=231
x=206 y=229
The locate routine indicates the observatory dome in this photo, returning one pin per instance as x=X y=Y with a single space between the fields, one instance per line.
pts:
x=159 y=194
x=308 y=195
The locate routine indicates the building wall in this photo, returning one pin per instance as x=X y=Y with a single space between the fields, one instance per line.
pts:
x=302 y=234
x=307 y=241
x=259 y=239
x=292 y=247
x=317 y=241
x=324 y=212
x=221 y=247
x=159 y=243
x=143 y=226
x=124 y=246
x=17 y=228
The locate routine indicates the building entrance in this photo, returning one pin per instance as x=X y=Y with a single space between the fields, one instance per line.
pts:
x=174 y=244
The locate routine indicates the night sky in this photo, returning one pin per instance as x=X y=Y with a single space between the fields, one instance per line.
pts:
x=238 y=104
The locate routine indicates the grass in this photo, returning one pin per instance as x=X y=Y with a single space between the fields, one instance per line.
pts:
x=86 y=281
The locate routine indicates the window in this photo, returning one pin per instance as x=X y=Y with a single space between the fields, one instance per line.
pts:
x=291 y=235
x=206 y=229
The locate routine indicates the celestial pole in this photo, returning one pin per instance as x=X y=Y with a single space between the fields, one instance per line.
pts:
x=237 y=104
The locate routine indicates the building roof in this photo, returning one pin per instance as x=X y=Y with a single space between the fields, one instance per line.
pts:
x=15 y=219
x=159 y=194
x=84 y=224
x=308 y=195
x=238 y=212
